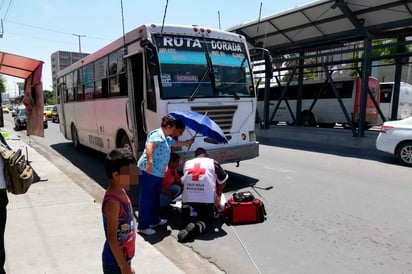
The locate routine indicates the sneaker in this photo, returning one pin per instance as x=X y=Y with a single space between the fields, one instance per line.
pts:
x=162 y=222
x=183 y=234
x=147 y=231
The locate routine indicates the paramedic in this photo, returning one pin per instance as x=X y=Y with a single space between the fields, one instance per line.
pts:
x=203 y=182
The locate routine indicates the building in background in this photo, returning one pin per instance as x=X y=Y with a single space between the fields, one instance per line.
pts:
x=61 y=60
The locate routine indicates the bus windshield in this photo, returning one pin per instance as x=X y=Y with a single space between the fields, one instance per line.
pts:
x=186 y=72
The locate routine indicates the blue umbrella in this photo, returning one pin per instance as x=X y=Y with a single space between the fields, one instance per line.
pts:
x=200 y=124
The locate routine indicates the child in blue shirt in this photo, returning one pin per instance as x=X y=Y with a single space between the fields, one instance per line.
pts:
x=117 y=211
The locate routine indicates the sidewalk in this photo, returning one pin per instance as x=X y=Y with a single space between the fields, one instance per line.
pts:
x=56 y=227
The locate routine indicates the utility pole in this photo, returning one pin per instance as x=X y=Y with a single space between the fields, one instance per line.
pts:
x=79 y=36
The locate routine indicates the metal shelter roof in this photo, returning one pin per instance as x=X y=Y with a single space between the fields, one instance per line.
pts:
x=328 y=22
x=17 y=66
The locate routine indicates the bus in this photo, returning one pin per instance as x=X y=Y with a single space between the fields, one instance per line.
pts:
x=115 y=96
x=405 y=100
x=320 y=107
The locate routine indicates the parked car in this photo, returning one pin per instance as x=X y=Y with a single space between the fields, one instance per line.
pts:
x=15 y=110
x=55 y=115
x=48 y=111
x=5 y=109
x=395 y=137
x=20 y=120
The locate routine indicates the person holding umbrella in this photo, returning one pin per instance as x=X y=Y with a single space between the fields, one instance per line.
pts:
x=152 y=165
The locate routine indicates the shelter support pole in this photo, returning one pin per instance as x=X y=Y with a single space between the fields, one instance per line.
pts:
x=366 y=72
x=282 y=97
x=300 y=89
x=397 y=80
x=268 y=77
x=342 y=106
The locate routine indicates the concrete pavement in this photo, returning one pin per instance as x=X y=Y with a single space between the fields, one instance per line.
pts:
x=337 y=137
x=56 y=227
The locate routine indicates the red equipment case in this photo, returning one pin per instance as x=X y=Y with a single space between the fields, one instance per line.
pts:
x=244 y=212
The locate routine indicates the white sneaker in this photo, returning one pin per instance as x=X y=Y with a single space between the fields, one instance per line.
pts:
x=147 y=231
x=162 y=222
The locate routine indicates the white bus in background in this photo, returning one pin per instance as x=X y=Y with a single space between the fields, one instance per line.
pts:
x=405 y=100
x=115 y=96
x=326 y=111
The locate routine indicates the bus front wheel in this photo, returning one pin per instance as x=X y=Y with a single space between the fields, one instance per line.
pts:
x=308 y=119
x=75 y=138
x=125 y=142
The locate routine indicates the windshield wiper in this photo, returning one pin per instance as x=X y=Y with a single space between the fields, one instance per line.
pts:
x=234 y=94
x=196 y=90
x=209 y=70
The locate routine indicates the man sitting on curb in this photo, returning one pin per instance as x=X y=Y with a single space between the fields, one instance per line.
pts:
x=203 y=181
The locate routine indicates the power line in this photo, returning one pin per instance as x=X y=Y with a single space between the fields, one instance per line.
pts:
x=1 y=5
x=8 y=9
x=63 y=42
x=53 y=30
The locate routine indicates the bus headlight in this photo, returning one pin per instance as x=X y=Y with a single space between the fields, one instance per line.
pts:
x=252 y=136
x=243 y=136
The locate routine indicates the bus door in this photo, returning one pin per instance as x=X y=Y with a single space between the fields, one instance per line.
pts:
x=60 y=106
x=137 y=124
x=371 y=116
x=386 y=100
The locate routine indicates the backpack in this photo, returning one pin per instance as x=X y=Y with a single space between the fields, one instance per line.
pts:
x=18 y=172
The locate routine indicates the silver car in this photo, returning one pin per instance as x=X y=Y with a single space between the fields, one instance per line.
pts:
x=395 y=137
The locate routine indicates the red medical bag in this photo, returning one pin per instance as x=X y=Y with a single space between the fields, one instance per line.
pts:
x=244 y=212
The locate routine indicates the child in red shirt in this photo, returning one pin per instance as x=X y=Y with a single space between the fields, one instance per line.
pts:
x=171 y=184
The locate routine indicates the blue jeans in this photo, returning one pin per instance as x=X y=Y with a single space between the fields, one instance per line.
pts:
x=149 y=200
x=3 y=217
x=164 y=199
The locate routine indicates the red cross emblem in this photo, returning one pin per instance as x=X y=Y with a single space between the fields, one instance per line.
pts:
x=196 y=171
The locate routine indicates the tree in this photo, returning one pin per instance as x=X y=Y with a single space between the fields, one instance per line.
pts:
x=293 y=62
x=49 y=97
x=2 y=84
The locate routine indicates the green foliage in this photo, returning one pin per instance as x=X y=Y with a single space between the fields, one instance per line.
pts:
x=307 y=72
x=382 y=48
x=2 y=84
x=354 y=66
x=49 y=97
x=387 y=48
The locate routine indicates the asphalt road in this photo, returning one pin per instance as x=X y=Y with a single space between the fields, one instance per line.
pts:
x=331 y=208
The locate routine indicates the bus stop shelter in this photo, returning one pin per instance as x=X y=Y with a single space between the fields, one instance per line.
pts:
x=31 y=71
x=328 y=25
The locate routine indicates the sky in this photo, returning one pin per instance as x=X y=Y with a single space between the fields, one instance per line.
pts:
x=37 y=28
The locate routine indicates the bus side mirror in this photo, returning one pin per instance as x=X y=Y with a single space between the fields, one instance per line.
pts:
x=151 y=56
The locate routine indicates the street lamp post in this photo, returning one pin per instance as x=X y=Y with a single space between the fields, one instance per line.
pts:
x=79 y=36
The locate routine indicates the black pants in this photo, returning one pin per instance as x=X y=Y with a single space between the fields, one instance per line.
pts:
x=205 y=214
x=3 y=217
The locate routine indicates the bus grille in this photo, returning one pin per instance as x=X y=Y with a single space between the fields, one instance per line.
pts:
x=221 y=115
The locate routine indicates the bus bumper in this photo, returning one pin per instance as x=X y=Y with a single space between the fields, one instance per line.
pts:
x=230 y=154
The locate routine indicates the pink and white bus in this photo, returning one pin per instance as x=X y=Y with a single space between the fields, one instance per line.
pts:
x=115 y=96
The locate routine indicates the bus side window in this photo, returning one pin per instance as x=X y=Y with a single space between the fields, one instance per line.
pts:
x=386 y=95
x=98 y=89
x=123 y=84
x=114 y=87
x=105 y=88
